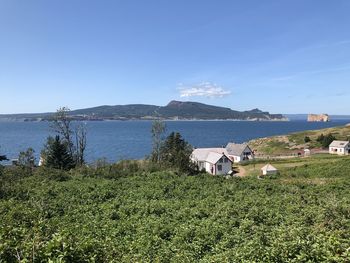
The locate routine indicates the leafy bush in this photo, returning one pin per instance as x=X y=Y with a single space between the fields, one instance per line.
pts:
x=301 y=215
x=27 y=158
x=307 y=139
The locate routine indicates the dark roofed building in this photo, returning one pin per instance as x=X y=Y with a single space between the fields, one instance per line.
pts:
x=239 y=152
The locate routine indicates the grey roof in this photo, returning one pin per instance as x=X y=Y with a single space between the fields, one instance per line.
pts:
x=214 y=157
x=211 y=155
x=339 y=144
x=235 y=148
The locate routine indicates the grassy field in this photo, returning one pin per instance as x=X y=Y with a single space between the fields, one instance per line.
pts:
x=287 y=164
x=132 y=214
x=294 y=142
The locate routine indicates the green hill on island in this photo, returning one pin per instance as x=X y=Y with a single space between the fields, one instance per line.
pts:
x=174 y=110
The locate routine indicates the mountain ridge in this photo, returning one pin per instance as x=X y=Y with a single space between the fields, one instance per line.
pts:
x=174 y=110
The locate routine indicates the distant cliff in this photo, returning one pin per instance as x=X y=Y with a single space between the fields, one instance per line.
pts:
x=175 y=110
x=318 y=117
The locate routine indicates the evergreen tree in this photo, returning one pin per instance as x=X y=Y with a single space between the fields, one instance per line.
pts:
x=176 y=153
x=307 y=139
x=326 y=140
x=58 y=155
x=3 y=158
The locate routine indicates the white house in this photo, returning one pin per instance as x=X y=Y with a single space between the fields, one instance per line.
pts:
x=268 y=169
x=214 y=160
x=339 y=147
x=239 y=152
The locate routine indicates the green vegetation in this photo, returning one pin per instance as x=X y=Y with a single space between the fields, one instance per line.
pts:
x=134 y=212
x=3 y=158
x=157 y=131
x=57 y=155
x=73 y=136
x=307 y=139
x=325 y=140
x=171 y=152
x=174 y=110
x=27 y=158
x=295 y=142
x=175 y=153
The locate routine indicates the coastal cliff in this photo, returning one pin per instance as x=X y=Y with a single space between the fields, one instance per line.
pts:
x=318 y=117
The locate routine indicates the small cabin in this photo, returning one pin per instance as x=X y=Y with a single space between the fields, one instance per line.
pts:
x=339 y=147
x=268 y=170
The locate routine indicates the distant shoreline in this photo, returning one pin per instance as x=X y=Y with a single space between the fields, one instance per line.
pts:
x=108 y=120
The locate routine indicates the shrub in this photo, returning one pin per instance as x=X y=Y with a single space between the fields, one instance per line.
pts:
x=326 y=140
x=27 y=158
x=307 y=139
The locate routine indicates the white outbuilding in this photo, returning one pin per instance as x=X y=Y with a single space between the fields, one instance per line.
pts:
x=339 y=147
x=307 y=152
x=268 y=169
x=213 y=160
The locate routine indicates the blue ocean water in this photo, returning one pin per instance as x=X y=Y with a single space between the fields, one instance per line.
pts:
x=117 y=140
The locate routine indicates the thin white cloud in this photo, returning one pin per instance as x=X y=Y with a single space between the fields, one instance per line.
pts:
x=344 y=42
x=345 y=67
x=204 y=89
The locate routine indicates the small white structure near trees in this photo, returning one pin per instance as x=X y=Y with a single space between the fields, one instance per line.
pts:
x=307 y=152
x=213 y=160
x=268 y=169
x=239 y=152
x=339 y=147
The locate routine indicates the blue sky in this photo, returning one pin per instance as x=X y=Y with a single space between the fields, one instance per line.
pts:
x=290 y=56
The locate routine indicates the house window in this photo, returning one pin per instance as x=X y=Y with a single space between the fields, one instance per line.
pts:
x=219 y=167
x=220 y=161
x=225 y=160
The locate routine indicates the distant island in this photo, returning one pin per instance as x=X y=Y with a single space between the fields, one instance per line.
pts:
x=174 y=110
x=318 y=117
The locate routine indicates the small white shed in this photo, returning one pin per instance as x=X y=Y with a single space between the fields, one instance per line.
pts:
x=268 y=169
x=307 y=152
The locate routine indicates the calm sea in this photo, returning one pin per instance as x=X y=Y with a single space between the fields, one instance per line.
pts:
x=117 y=140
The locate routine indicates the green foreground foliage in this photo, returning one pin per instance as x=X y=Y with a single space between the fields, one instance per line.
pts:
x=132 y=212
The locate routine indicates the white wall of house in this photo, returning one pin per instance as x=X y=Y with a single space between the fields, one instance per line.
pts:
x=208 y=167
x=222 y=167
x=339 y=150
x=235 y=159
